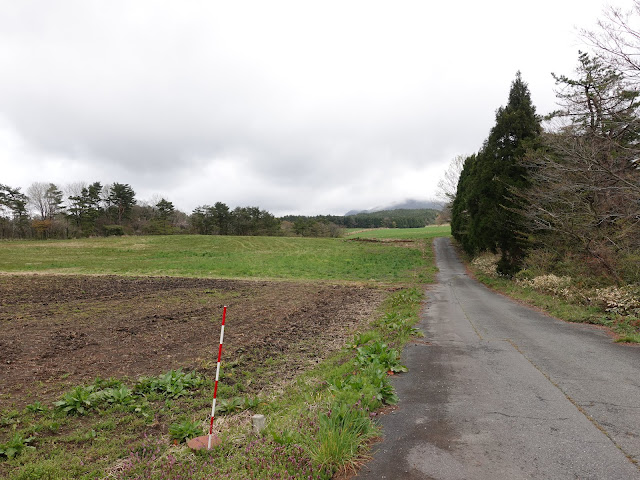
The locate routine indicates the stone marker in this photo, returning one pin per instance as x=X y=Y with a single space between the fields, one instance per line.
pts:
x=258 y=422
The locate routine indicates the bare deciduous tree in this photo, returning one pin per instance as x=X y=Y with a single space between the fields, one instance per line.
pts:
x=46 y=199
x=448 y=184
x=585 y=195
x=617 y=39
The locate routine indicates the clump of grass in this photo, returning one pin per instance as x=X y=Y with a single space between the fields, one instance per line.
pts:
x=340 y=436
x=363 y=338
x=629 y=338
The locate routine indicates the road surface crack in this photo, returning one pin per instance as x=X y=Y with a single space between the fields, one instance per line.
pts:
x=526 y=417
x=575 y=404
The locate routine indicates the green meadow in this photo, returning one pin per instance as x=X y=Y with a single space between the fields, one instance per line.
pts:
x=231 y=257
x=426 y=233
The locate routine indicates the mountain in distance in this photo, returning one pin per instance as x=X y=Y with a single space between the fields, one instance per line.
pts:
x=409 y=204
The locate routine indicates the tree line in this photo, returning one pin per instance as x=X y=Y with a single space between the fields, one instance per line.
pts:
x=398 y=218
x=44 y=211
x=567 y=186
x=96 y=209
x=84 y=210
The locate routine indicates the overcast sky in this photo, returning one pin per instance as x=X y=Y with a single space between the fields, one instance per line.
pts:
x=294 y=106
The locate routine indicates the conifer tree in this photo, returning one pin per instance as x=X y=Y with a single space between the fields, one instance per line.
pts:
x=485 y=210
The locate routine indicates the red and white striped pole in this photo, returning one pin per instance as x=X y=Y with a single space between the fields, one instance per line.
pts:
x=215 y=388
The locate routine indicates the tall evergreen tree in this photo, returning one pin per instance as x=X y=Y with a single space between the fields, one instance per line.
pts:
x=485 y=210
x=222 y=217
x=462 y=207
x=85 y=208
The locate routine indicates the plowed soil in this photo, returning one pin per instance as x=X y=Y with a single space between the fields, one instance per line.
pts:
x=57 y=331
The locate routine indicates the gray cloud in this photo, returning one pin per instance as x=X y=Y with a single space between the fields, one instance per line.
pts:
x=294 y=106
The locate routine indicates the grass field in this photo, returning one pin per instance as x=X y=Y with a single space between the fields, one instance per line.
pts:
x=429 y=232
x=226 y=257
x=90 y=360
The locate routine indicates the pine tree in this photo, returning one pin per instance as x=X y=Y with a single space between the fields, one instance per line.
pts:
x=121 y=199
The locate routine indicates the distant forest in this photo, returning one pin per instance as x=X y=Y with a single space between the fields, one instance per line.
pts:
x=399 y=218
x=85 y=210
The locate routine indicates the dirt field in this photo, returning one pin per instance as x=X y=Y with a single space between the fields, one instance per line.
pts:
x=57 y=331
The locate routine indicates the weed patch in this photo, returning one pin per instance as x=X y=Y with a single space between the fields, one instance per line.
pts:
x=16 y=446
x=318 y=425
x=173 y=384
x=182 y=431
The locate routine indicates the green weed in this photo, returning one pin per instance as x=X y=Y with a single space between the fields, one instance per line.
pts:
x=36 y=407
x=102 y=383
x=402 y=326
x=285 y=437
x=185 y=430
x=369 y=387
x=230 y=405
x=173 y=384
x=11 y=417
x=406 y=297
x=252 y=403
x=380 y=354
x=16 y=446
x=77 y=401
x=120 y=395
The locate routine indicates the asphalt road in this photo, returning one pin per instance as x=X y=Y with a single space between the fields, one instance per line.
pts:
x=505 y=392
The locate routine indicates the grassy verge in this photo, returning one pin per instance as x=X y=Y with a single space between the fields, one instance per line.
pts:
x=120 y=428
x=568 y=299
